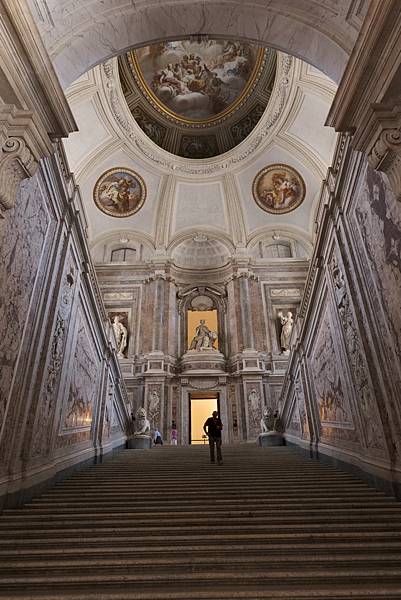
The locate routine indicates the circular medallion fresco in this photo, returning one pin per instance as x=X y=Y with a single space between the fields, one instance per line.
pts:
x=278 y=189
x=197 y=82
x=119 y=192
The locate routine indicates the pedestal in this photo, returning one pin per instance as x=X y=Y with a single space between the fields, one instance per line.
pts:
x=271 y=438
x=139 y=442
x=202 y=361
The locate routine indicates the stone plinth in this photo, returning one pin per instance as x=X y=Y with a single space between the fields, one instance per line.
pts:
x=204 y=360
x=139 y=442
x=271 y=438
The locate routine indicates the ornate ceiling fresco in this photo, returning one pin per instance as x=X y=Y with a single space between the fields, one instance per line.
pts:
x=198 y=99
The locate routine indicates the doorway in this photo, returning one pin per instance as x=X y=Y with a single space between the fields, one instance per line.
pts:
x=201 y=406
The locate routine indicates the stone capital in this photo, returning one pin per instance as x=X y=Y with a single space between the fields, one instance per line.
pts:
x=21 y=147
x=384 y=153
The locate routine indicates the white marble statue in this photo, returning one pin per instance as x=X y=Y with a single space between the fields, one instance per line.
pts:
x=204 y=338
x=121 y=333
x=142 y=425
x=287 y=323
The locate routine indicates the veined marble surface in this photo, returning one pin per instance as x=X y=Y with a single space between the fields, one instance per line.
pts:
x=79 y=35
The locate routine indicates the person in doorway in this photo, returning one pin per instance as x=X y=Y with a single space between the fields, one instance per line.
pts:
x=212 y=428
x=157 y=438
x=174 y=435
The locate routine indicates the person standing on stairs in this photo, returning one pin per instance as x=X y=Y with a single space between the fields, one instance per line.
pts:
x=212 y=428
x=174 y=435
x=157 y=438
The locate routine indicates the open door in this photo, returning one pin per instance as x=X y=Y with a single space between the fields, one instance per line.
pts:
x=201 y=406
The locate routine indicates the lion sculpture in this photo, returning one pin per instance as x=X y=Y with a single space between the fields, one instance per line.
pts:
x=142 y=425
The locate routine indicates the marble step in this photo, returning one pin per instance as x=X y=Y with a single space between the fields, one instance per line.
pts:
x=223 y=493
x=206 y=539
x=311 y=592
x=268 y=577
x=251 y=549
x=290 y=498
x=221 y=524
x=196 y=561
x=123 y=512
x=271 y=525
x=101 y=528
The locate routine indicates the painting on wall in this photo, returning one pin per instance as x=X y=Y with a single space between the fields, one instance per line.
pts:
x=278 y=189
x=119 y=192
x=196 y=81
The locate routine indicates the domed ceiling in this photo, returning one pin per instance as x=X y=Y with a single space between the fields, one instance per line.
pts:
x=198 y=98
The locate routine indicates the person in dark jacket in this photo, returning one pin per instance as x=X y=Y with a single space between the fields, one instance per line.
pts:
x=212 y=428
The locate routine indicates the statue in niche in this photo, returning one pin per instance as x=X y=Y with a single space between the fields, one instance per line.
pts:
x=121 y=334
x=204 y=338
x=142 y=425
x=287 y=323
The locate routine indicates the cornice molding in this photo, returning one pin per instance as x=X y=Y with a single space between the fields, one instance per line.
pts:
x=368 y=101
x=33 y=109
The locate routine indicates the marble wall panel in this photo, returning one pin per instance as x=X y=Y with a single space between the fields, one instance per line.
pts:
x=44 y=418
x=253 y=408
x=84 y=383
x=328 y=380
x=376 y=223
x=25 y=242
x=363 y=396
x=154 y=405
x=257 y=317
x=294 y=421
x=147 y=311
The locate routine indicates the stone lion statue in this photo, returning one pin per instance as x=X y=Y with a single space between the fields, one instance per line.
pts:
x=270 y=421
x=142 y=425
x=267 y=420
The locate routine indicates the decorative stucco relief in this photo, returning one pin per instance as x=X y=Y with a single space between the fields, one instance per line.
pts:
x=21 y=249
x=108 y=410
x=294 y=423
x=377 y=219
x=301 y=408
x=48 y=398
x=254 y=409
x=154 y=405
x=372 y=430
x=115 y=421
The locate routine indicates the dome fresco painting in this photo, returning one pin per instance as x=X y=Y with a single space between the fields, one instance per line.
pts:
x=197 y=82
x=198 y=99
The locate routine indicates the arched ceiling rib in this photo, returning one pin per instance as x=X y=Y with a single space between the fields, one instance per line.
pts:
x=79 y=35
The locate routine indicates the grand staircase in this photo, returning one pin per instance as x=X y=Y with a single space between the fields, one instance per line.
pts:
x=167 y=524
